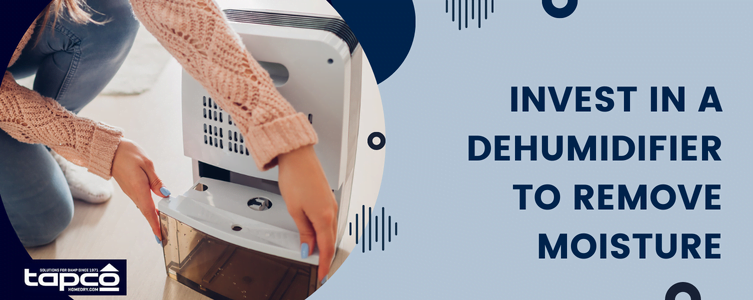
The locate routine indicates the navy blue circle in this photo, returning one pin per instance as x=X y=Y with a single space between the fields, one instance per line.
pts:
x=385 y=30
x=559 y=12
x=382 y=140
x=683 y=287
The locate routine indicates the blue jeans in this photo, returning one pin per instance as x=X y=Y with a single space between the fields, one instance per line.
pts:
x=73 y=63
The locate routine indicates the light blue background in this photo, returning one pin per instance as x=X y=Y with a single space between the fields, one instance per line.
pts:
x=461 y=233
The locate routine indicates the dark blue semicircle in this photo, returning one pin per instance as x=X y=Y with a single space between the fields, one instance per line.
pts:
x=14 y=22
x=384 y=28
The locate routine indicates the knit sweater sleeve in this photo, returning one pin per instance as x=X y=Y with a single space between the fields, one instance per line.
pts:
x=31 y=118
x=196 y=33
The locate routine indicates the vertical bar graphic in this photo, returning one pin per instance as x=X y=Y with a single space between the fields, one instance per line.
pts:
x=473 y=9
x=486 y=9
x=446 y=6
x=370 y=228
x=453 y=10
x=479 y=13
x=382 y=228
x=386 y=228
x=460 y=15
x=492 y=6
x=363 y=228
x=466 y=13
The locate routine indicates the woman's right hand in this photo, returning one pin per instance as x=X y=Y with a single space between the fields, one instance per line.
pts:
x=311 y=203
x=134 y=172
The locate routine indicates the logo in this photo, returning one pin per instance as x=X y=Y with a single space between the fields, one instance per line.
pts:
x=76 y=277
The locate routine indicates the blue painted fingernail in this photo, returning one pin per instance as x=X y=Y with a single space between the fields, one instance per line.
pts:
x=158 y=241
x=164 y=191
x=324 y=279
x=304 y=250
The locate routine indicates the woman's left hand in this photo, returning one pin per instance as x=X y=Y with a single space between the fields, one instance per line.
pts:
x=134 y=172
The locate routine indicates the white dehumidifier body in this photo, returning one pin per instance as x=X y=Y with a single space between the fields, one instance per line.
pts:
x=230 y=235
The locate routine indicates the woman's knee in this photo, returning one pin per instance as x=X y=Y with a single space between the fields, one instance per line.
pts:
x=120 y=23
x=34 y=191
x=41 y=216
x=45 y=226
x=111 y=34
x=47 y=233
x=124 y=19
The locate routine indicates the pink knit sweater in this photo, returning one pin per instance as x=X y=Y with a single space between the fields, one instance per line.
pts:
x=196 y=33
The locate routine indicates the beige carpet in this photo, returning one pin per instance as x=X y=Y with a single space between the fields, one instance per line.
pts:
x=140 y=70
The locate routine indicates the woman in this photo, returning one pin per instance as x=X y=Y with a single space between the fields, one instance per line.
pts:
x=75 y=48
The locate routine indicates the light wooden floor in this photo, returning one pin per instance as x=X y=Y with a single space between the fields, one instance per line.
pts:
x=117 y=230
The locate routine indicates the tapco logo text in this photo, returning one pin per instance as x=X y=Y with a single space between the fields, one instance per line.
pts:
x=77 y=277
x=69 y=278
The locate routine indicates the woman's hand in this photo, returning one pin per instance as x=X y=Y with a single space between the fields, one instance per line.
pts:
x=134 y=172
x=311 y=203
